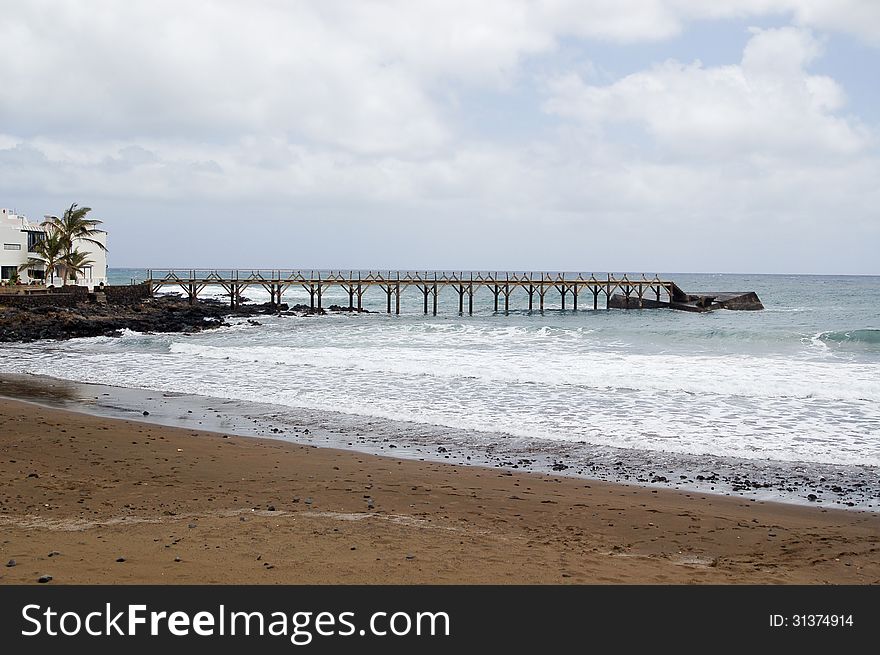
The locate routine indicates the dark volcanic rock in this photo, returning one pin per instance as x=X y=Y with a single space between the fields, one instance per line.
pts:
x=162 y=314
x=306 y=309
x=342 y=308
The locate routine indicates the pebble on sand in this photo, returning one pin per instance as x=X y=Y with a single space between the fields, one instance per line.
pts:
x=43 y=579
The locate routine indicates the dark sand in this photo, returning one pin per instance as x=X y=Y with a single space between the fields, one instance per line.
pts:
x=77 y=492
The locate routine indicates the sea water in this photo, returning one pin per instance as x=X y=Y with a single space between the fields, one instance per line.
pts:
x=796 y=383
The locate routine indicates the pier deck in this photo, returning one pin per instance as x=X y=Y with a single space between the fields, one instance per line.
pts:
x=619 y=291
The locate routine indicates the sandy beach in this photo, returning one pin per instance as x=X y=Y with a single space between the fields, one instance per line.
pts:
x=87 y=499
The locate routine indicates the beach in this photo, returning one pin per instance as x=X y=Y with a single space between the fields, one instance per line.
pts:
x=89 y=499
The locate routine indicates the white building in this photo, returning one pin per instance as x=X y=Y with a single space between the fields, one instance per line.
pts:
x=17 y=238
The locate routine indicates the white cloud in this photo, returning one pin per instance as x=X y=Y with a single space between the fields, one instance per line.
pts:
x=858 y=17
x=766 y=105
x=362 y=76
x=206 y=69
x=336 y=107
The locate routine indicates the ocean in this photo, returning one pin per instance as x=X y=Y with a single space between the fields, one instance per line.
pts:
x=730 y=402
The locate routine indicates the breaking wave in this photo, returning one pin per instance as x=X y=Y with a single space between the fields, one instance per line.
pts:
x=865 y=337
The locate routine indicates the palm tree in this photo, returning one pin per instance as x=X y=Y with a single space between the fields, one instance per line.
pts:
x=75 y=226
x=50 y=252
x=73 y=262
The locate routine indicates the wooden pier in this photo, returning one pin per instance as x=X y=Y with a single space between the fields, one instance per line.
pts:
x=617 y=291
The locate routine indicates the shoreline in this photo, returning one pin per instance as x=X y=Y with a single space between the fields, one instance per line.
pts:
x=799 y=483
x=80 y=492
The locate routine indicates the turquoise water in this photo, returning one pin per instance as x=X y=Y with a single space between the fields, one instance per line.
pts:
x=798 y=382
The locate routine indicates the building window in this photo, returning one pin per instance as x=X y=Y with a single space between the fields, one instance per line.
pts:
x=11 y=246
x=34 y=237
x=36 y=274
x=86 y=272
x=8 y=272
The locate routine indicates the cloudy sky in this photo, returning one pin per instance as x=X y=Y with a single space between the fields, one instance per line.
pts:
x=600 y=135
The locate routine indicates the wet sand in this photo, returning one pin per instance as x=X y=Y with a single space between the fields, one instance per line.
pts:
x=78 y=493
x=827 y=485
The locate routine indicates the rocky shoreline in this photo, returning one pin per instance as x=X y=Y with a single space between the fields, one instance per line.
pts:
x=160 y=314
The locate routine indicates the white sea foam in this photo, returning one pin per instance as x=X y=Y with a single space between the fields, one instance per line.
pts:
x=636 y=402
x=732 y=376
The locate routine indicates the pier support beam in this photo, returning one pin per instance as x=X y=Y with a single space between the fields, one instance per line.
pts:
x=320 y=295
x=425 y=291
x=397 y=298
x=496 y=291
x=435 y=298
x=460 y=290
x=506 y=299
x=471 y=299
x=360 y=295
x=531 y=296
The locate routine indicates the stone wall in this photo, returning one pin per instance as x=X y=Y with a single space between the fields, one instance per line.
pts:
x=39 y=300
x=126 y=294
x=79 y=293
x=70 y=296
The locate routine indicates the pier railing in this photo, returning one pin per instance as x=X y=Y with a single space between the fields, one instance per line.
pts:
x=392 y=283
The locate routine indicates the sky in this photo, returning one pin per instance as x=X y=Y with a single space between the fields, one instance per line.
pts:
x=596 y=136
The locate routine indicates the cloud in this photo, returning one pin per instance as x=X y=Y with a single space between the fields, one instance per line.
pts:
x=204 y=70
x=858 y=17
x=342 y=110
x=362 y=76
x=766 y=105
